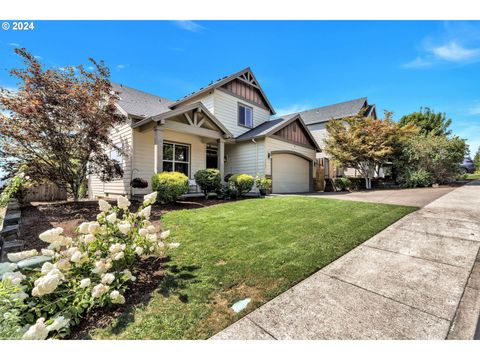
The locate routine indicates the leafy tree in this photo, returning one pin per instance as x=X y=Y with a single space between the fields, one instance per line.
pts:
x=476 y=160
x=364 y=143
x=428 y=121
x=58 y=124
x=436 y=158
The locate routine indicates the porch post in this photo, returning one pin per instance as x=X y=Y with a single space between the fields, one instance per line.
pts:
x=158 y=149
x=221 y=157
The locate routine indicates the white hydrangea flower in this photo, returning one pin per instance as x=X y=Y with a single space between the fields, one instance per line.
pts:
x=173 y=245
x=52 y=235
x=116 y=297
x=85 y=283
x=164 y=234
x=160 y=244
x=70 y=251
x=83 y=228
x=115 y=248
x=143 y=232
x=63 y=264
x=14 y=277
x=100 y=267
x=152 y=237
x=111 y=218
x=76 y=257
x=48 y=252
x=18 y=256
x=93 y=227
x=48 y=283
x=127 y=275
x=99 y=216
x=89 y=238
x=119 y=256
x=145 y=212
x=58 y=323
x=139 y=250
x=151 y=229
x=108 y=278
x=123 y=203
x=38 y=331
x=124 y=227
x=99 y=290
x=150 y=199
x=46 y=268
x=103 y=205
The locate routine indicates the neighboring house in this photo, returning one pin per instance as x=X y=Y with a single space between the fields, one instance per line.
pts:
x=316 y=120
x=225 y=125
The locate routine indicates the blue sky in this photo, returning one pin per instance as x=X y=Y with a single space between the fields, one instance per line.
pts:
x=399 y=66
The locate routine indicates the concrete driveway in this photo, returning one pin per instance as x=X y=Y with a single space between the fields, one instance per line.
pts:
x=417 y=279
x=410 y=197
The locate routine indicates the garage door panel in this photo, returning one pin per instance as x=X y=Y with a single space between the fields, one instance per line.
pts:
x=290 y=173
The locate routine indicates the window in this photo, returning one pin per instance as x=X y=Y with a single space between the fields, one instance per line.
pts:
x=115 y=155
x=176 y=157
x=245 y=116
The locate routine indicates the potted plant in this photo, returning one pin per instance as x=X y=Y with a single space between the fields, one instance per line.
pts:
x=263 y=185
x=139 y=183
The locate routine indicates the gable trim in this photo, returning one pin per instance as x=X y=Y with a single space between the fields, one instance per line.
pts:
x=223 y=82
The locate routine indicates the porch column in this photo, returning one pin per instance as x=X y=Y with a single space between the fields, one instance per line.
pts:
x=158 y=149
x=221 y=157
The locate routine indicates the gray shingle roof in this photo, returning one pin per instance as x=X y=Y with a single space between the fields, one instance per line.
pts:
x=335 y=111
x=139 y=103
x=261 y=130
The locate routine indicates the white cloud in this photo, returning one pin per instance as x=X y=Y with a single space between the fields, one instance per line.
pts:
x=474 y=110
x=419 y=62
x=292 y=109
x=38 y=57
x=455 y=52
x=14 y=44
x=90 y=68
x=189 y=25
x=121 y=66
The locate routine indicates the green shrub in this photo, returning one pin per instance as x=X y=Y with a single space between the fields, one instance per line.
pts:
x=169 y=186
x=263 y=183
x=343 y=183
x=209 y=180
x=243 y=183
x=418 y=178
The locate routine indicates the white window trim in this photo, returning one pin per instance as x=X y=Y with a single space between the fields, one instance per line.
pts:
x=245 y=122
x=173 y=161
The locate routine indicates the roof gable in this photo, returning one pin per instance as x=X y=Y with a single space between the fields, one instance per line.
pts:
x=295 y=133
x=242 y=83
x=139 y=103
x=335 y=111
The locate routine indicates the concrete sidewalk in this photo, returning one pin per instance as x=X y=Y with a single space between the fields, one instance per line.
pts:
x=417 y=279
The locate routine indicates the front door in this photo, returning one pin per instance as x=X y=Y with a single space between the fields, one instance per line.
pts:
x=212 y=157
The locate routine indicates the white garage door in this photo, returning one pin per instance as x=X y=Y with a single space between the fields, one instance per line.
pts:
x=290 y=173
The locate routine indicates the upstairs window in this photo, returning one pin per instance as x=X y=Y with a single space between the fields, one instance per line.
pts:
x=245 y=116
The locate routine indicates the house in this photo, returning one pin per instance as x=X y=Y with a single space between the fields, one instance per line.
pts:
x=224 y=125
x=316 y=120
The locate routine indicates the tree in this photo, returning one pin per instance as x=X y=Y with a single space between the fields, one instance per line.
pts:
x=58 y=124
x=428 y=121
x=476 y=160
x=364 y=143
x=427 y=159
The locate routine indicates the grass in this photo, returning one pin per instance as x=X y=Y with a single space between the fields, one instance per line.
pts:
x=473 y=176
x=254 y=248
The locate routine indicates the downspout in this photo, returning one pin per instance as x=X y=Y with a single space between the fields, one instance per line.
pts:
x=256 y=160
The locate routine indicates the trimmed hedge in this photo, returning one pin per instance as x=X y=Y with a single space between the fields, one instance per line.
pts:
x=242 y=183
x=169 y=186
x=209 y=180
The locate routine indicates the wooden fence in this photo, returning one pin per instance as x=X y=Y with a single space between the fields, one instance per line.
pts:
x=45 y=192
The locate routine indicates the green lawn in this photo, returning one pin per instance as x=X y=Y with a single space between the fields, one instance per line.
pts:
x=254 y=248
x=473 y=176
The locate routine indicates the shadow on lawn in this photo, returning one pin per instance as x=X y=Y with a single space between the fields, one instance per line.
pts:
x=153 y=275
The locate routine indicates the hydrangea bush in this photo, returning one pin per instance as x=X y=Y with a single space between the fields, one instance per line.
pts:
x=90 y=270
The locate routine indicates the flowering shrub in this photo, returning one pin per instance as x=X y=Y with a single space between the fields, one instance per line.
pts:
x=89 y=270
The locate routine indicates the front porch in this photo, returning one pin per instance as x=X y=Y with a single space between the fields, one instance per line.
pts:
x=184 y=140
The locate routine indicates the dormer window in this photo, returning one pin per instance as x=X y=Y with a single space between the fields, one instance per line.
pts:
x=245 y=116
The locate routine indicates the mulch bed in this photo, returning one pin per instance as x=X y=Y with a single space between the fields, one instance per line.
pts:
x=39 y=217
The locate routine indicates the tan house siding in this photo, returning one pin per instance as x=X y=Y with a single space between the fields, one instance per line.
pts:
x=226 y=111
x=241 y=158
x=206 y=99
x=144 y=153
x=276 y=145
x=119 y=135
